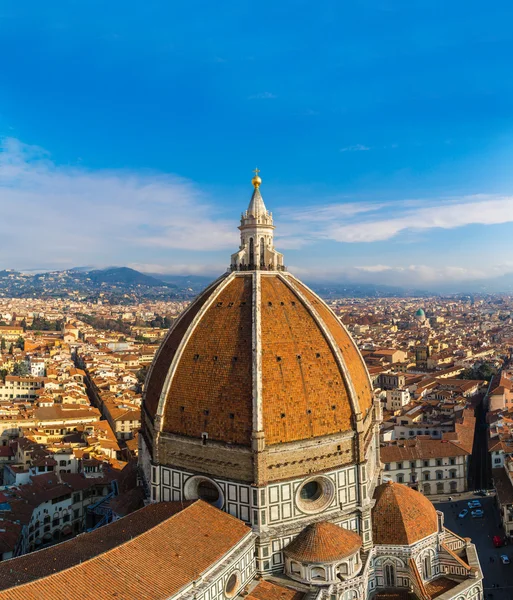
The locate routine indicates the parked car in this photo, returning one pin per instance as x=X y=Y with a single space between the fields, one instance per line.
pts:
x=482 y=493
x=463 y=513
x=474 y=504
x=504 y=559
x=498 y=541
x=477 y=514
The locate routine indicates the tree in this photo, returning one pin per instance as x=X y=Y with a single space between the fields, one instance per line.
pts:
x=483 y=371
x=20 y=369
x=20 y=343
x=141 y=374
x=2 y=344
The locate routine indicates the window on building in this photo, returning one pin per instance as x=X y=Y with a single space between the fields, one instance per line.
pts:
x=438 y=462
x=400 y=465
x=427 y=567
x=318 y=574
x=452 y=461
x=426 y=463
x=400 y=479
x=439 y=475
x=389 y=575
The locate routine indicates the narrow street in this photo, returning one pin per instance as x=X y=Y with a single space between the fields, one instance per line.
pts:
x=498 y=578
x=480 y=476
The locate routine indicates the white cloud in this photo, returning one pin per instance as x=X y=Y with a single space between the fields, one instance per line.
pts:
x=263 y=96
x=375 y=222
x=409 y=275
x=469 y=210
x=70 y=216
x=210 y=269
x=355 y=148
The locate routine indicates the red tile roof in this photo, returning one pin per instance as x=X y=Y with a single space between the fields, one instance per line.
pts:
x=167 y=557
x=267 y=590
x=323 y=542
x=35 y=565
x=401 y=516
x=305 y=393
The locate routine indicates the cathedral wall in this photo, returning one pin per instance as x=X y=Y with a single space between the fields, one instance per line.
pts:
x=286 y=461
x=276 y=511
x=268 y=506
x=239 y=565
x=205 y=456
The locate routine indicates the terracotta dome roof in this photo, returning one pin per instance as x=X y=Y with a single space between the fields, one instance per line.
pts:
x=323 y=542
x=257 y=351
x=401 y=516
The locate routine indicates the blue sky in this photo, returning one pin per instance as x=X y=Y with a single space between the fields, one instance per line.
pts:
x=383 y=131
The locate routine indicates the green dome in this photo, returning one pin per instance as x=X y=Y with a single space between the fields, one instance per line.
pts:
x=420 y=313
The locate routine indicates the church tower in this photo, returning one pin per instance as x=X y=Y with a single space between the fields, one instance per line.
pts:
x=256 y=249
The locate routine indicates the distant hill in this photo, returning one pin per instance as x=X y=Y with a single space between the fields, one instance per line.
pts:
x=126 y=276
x=195 y=283
x=362 y=290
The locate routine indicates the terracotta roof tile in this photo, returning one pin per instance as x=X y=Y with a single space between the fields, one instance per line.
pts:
x=304 y=392
x=168 y=556
x=354 y=362
x=401 y=516
x=167 y=350
x=42 y=563
x=323 y=542
x=266 y=590
x=212 y=389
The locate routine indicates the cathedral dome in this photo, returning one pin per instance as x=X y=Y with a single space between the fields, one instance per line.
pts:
x=257 y=351
x=420 y=315
x=323 y=542
x=401 y=516
x=257 y=363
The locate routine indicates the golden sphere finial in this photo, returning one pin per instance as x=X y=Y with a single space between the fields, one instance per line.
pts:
x=256 y=181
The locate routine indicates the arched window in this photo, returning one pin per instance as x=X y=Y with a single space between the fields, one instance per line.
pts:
x=389 y=575
x=452 y=473
x=427 y=567
x=439 y=488
x=262 y=252
x=427 y=488
x=318 y=574
x=251 y=253
x=427 y=475
x=343 y=569
x=400 y=478
x=439 y=475
x=454 y=486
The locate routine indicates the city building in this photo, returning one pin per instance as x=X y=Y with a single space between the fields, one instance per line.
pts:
x=260 y=451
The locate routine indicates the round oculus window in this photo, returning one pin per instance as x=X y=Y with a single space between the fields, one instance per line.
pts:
x=232 y=584
x=203 y=488
x=208 y=491
x=315 y=494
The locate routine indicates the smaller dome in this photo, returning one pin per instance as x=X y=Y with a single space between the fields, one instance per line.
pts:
x=323 y=543
x=420 y=313
x=401 y=516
